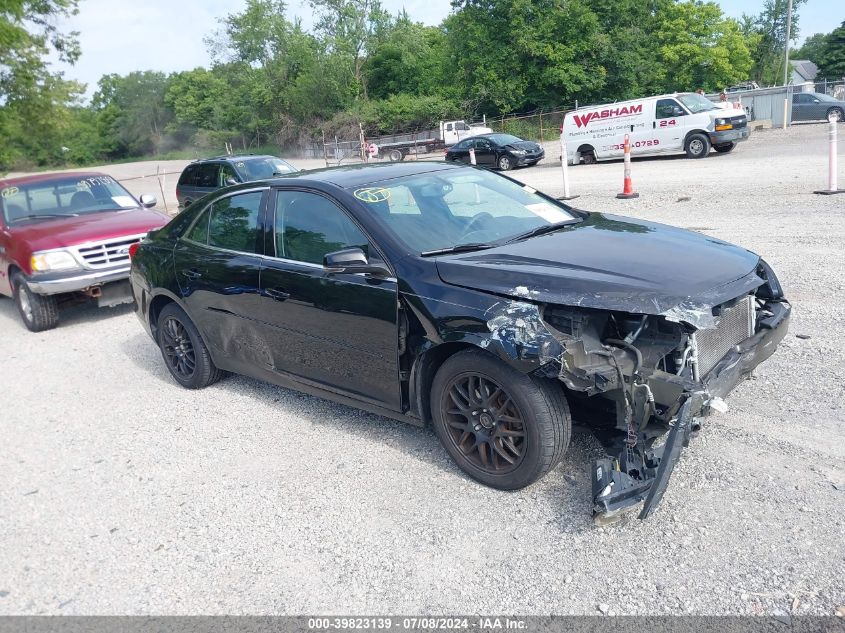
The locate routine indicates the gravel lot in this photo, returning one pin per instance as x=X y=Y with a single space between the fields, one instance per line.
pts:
x=125 y=494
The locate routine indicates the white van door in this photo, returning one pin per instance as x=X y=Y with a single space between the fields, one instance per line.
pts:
x=669 y=125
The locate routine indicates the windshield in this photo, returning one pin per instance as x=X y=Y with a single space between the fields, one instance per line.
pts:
x=264 y=168
x=63 y=197
x=823 y=97
x=696 y=103
x=504 y=139
x=445 y=209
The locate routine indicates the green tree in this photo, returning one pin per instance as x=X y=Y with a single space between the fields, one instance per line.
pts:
x=133 y=116
x=352 y=30
x=514 y=54
x=34 y=101
x=700 y=48
x=770 y=28
x=831 y=58
x=811 y=48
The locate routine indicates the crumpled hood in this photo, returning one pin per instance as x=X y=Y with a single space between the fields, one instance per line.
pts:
x=529 y=146
x=613 y=263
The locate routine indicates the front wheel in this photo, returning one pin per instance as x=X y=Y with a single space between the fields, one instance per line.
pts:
x=505 y=163
x=38 y=312
x=396 y=155
x=698 y=146
x=501 y=427
x=724 y=148
x=184 y=351
x=837 y=114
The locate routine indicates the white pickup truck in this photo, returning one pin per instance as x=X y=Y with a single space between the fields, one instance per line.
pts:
x=395 y=147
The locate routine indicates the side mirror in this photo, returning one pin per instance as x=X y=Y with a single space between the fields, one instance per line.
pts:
x=677 y=111
x=352 y=260
x=231 y=180
x=148 y=200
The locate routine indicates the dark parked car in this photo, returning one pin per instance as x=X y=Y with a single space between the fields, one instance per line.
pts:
x=451 y=295
x=65 y=237
x=201 y=177
x=504 y=151
x=815 y=106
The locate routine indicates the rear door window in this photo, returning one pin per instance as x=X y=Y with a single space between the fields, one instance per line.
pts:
x=207 y=175
x=233 y=222
x=189 y=176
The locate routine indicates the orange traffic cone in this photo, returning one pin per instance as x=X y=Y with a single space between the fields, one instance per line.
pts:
x=628 y=187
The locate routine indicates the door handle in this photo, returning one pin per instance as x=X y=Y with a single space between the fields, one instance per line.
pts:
x=653 y=124
x=192 y=273
x=277 y=294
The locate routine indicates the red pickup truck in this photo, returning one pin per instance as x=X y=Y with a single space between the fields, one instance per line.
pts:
x=68 y=236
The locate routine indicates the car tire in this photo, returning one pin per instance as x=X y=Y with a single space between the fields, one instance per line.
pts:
x=38 y=312
x=183 y=350
x=697 y=146
x=505 y=162
x=724 y=148
x=501 y=427
x=840 y=114
x=588 y=156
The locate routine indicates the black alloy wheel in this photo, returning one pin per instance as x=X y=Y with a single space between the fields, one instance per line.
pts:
x=184 y=352
x=484 y=423
x=503 y=428
x=178 y=349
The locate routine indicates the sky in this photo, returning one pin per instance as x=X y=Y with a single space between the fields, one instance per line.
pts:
x=119 y=36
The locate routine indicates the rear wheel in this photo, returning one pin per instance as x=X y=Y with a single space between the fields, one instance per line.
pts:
x=698 y=146
x=39 y=312
x=837 y=113
x=505 y=162
x=396 y=155
x=501 y=427
x=184 y=351
x=724 y=148
x=588 y=155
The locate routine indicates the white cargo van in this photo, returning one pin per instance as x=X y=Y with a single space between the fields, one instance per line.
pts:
x=667 y=124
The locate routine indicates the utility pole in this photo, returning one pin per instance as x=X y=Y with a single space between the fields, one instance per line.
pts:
x=786 y=48
x=786 y=63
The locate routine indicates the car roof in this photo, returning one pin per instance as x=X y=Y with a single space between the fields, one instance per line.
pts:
x=33 y=178
x=349 y=176
x=233 y=157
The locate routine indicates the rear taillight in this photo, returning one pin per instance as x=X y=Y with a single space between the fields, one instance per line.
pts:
x=134 y=249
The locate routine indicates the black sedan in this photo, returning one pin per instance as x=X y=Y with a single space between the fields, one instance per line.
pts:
x=503 y=151
x=444 y=294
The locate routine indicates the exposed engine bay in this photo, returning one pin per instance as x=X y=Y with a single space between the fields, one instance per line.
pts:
x=654 y=375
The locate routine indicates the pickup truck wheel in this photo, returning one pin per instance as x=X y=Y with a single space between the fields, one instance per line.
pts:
x=724 y=148
x=39 y=312
x=698 y=146
x=184 y=351
x=501 y=427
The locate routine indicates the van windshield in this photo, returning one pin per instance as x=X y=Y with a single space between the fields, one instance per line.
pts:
x=695 y=103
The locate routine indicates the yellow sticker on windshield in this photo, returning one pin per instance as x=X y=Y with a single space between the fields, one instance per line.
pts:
x=372 y=194
x=8 y=192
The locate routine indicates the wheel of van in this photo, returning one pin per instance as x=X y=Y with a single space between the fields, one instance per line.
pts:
x=837 y=113
x=396 y=155
x=724 y=148
x=588 y=155
x=505 y=162
x=501 y=427
x=184 y=352
x=38 y=312
x=698 y=146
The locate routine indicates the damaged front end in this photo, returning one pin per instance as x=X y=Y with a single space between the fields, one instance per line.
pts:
x=656 y=375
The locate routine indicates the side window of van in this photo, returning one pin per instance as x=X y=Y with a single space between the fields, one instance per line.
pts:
x=668 y=109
